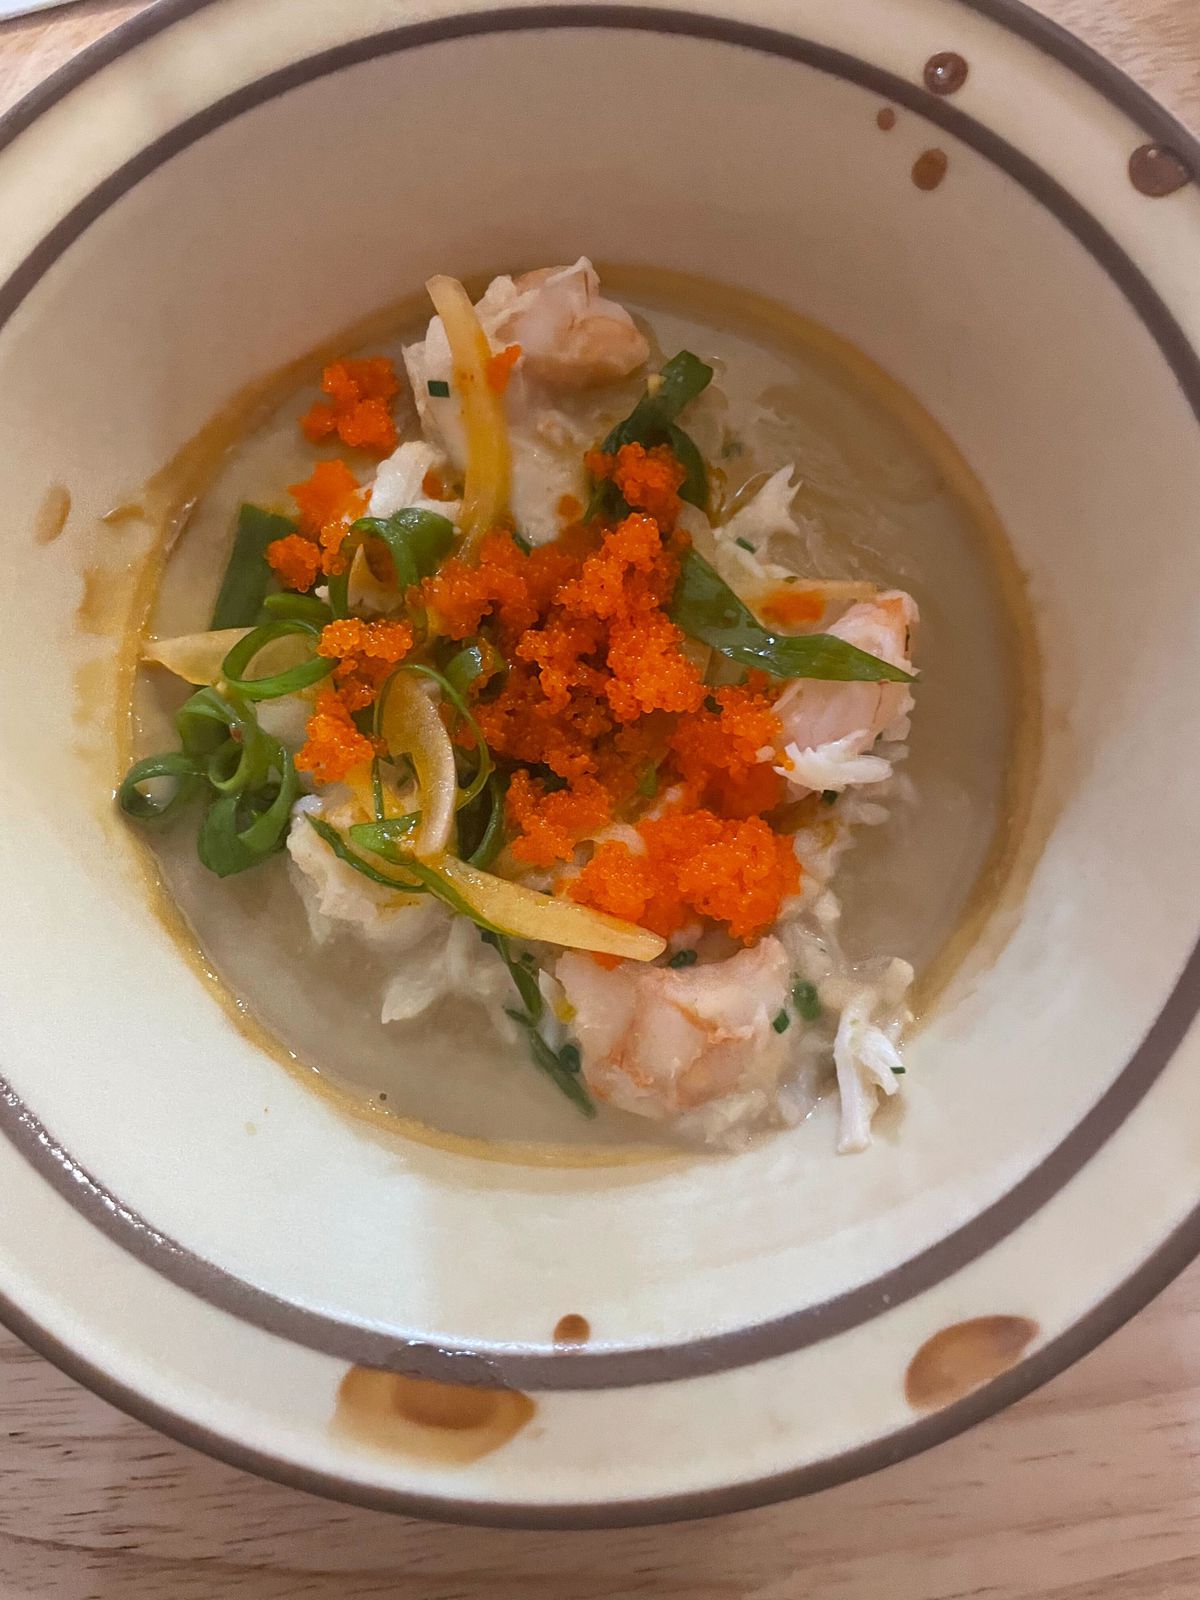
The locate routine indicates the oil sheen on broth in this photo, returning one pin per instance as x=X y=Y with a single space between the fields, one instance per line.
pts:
x=887 y=499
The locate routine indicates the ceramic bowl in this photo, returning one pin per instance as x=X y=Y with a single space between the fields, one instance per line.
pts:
x=201 y=1239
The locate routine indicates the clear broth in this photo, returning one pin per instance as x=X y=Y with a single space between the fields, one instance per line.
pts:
x=888 y=499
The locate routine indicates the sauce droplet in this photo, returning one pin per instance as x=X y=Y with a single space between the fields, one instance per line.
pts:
x=52 y=514
x=964 y=1356
x=572 y=1329
x=930 y=168
x=451 y=1422
x=1157 y=170
x=885 y=118
x=946 y=72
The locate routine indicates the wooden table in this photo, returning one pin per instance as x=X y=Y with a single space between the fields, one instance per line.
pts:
x=1083 y=1491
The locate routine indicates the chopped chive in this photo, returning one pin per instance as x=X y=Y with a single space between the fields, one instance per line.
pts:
x=746 y=545
x=564 y=1073
x=829 y=797
x=782 y=1022
x=522 y=976
x=683 y=958
x=438 y=388
x=899 y=1072
x=806 y=1000
x=711 y=703
x=648 y=782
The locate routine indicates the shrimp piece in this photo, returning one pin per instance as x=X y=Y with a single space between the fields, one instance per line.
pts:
x=571 y=339
x=663 y=1044
x=828 y=727
x=570 y=336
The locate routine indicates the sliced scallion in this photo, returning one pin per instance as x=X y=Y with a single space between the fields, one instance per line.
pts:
x=296 y=608
x=301 y=676
x=653 y=421
x=415 y=539
x=244 y=585
x=563 y=1076
x=344 y=853
x=187 y=780
x=706 y=608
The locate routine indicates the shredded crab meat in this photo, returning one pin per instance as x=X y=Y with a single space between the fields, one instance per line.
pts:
x=401 y=479
x=866 y=1056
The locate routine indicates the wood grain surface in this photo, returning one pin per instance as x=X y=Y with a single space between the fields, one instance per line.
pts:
x=1087 y=1490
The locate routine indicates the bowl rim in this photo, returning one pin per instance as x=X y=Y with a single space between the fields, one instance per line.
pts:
x=1164 y=1263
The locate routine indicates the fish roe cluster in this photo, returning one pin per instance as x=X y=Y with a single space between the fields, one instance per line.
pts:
x=358 y=408
x=603 y=716
x=366 y=653
x=327 y=502
x=735 y=873
x=333 y=746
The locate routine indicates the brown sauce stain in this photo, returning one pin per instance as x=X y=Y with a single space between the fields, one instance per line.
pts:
x=946 y=72
x=127 y=511
x=572 y=1329
x=1157 y=170
x=929 y=169
x=448 y=1422
x=964 y=1356
x=52 y=514
x=885 y=119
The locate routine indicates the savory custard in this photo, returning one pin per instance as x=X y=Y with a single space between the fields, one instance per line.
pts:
x=559 y=658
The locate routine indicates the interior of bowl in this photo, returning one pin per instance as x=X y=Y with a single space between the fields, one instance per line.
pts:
x=262 y=236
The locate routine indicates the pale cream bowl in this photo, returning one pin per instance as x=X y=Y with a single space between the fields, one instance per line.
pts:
x=190 y=205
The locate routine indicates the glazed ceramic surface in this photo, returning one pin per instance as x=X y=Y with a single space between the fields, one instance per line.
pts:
x=189 y=1228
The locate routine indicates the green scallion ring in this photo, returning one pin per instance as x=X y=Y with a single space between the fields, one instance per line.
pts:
x=302 y=676
x=188 y=781
x=289 y=607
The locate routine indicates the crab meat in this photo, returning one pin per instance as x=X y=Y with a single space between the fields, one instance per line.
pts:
x=399 y=482
x=664 y=1043
x=334 y=893
x=865 y=1053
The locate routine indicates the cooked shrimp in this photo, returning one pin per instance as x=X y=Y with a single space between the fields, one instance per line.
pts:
x=829 y=727
x=663 y=1043
x=570 y=336
x=570 y=339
